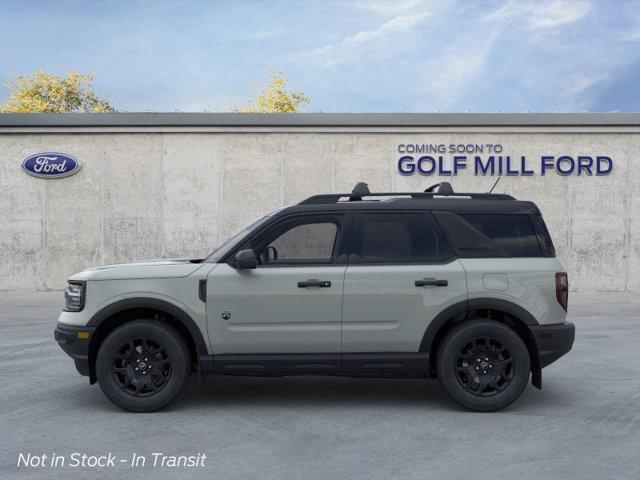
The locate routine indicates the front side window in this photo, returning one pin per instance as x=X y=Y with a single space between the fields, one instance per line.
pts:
x=310 y=241
x=300 y=240
x=400 y=238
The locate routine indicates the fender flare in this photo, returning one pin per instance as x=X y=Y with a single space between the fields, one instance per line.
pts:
x=466 y=306
x=157 y=304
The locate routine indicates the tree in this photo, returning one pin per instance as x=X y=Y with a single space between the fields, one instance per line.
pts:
x=42 y=92
x=274 y=98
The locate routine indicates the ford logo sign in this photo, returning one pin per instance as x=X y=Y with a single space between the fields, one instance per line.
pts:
x=51 y=165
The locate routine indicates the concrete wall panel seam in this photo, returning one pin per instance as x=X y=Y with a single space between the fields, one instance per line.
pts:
x=162 y=193
x=102 y=239
x=627 y=239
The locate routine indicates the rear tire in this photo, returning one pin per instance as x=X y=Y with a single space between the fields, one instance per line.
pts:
x=483 y=365
x=143 y=365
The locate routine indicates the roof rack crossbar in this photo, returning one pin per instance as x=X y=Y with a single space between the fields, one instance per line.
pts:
x=336 y=197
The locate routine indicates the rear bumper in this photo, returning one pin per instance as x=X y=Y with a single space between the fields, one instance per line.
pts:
x=553 y=341
x=74 y=345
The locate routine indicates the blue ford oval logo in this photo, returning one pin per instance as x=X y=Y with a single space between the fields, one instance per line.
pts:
x=51 y=165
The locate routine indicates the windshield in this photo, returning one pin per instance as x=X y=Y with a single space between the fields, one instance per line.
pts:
x=222 y=249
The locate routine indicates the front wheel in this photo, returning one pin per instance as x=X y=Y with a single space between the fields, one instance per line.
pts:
x=483 y=365
x=143 y=365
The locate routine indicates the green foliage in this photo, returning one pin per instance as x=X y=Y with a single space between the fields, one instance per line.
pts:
x=273 y=98
x=42 y=92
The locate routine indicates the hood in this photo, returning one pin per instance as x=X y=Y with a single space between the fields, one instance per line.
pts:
x=169 y=268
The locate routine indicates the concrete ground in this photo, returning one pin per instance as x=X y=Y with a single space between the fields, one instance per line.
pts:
x=584 y=424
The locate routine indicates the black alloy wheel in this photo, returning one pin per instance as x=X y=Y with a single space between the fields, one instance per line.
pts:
x=143 y=365
x=483 y=364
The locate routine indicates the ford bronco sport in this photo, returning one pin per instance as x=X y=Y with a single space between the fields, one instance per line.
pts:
x=464 y=287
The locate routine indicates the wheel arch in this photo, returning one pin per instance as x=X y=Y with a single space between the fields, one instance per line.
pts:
x=508 y=313
x=129 y=309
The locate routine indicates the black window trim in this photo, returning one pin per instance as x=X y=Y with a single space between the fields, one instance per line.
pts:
x=542 y=233
x=356 y=239
x=338 y=256
x=348 y=241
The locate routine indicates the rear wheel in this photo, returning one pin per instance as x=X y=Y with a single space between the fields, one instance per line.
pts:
x=483 y=365
x=143 y=365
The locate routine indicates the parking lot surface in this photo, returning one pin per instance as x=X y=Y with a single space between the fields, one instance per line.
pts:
x=583 y=424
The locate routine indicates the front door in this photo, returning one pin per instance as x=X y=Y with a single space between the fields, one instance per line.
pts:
x=291 y=303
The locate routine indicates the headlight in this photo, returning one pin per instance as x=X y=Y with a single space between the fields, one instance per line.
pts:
x=74 y=296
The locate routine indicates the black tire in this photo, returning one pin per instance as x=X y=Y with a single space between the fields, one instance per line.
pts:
x=483 y=365
x=166 y=365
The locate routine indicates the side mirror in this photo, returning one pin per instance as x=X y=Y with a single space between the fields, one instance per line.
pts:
x=245 y=260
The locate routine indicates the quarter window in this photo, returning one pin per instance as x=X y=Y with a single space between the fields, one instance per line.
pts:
x=544 y=239
x=512 y=234
x=490 y=235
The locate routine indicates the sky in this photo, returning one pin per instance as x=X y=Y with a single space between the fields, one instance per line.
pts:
x=347 y=56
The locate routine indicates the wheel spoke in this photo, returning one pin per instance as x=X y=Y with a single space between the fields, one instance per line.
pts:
x=152 y=384
x=503 y=363
x=482 y=385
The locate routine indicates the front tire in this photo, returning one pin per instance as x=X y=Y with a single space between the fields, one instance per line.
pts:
x=143 y=365
x=483 y=365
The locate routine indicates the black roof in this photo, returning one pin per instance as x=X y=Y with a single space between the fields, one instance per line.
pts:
x=458 y=205
x=437 y=197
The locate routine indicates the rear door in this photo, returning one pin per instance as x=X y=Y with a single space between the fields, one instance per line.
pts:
x=401 y=275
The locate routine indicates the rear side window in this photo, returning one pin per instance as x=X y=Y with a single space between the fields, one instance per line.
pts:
x=400 y=238
x=489 y=235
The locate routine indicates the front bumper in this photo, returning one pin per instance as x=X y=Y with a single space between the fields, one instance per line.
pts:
x=553 y=341
x=75 y=343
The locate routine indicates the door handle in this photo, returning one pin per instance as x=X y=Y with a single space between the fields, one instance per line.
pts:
x=314 y=283
x=431 y=281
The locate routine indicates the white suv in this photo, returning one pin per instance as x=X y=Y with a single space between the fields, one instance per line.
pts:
x=465 y=287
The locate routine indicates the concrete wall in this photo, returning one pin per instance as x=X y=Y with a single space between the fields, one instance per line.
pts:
x=148 y=195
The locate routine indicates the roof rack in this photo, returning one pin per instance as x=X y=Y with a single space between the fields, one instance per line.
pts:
x=361 y=190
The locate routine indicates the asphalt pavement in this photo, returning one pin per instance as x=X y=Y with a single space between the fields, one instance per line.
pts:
x=583 y=424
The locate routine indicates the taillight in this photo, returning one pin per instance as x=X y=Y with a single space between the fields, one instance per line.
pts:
x=562 y=289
